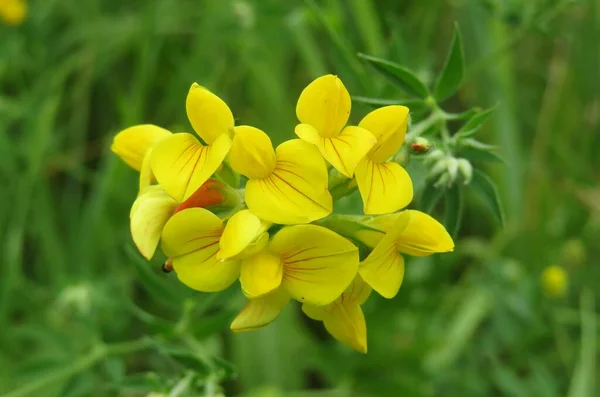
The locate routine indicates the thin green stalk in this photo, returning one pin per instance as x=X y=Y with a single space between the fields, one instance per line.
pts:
x=96 y=354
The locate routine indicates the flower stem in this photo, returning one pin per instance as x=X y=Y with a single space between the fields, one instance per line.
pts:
x=95 y=355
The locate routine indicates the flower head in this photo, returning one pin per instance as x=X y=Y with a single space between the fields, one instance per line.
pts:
x=555 y=281
x=180 y=162
x=323 y=109
x=287 y=185
x=13 y=12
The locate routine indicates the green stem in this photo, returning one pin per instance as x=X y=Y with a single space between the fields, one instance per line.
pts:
x=96 y=354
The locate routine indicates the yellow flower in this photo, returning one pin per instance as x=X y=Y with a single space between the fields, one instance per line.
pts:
x=344 y=318
x=309 y=263
x=287 y=185
x=323 y=109
x=555 y=281
x=154 y=206
x=134 y=146
x=180 y=163
x=409 y=232
x=13 y=12
x=385 y=187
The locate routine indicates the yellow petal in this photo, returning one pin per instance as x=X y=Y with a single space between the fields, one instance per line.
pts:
x=146 y=174
x=252 y=153
x=191 y=230
x=388 y=124
x=181 y=164
x=296 y=191
x=132 y=143
x=358 y=291
x=384 y=187
x=318 y=263
x=314 y=312
x=422 y=235
x=383 y=269
x=260 y=311
x=261 y=274
x=347 y=149
x=346 y=323
x=308 y=133
x=241 y=230
x=325 y=104
x=209 y=115
x=191 y=239
x=376 y=229
x=149 y=214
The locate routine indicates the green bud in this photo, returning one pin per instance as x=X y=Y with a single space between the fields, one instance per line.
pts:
x=443 y=180
x=466 y=170
x=452 y=167
x=573 y=252
x=437 y=169
x=434 y=155
x=421 y=145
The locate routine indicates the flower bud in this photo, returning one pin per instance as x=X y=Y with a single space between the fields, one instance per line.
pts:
x=554 y=280
x=443 y=180
x=452 y=167
x=466 y=170
x=437 y=169
x=421 y=146
x=434 y=156
x=212 y=194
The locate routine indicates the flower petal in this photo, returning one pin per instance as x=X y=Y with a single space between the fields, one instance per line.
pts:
x=296 y=191
x=132 y=143
x=422 y=235
x=146 y=174
x=388 y=124
x=383 y=269
x=252 y=153
x=325 y=104
x=209 y=115
x=181 y=164
x=307 y=133
x=260 y=311
x=358 y=291
x=384 y=187
x=347 y=149
x=241 y=230
x=191 y=230
x=149 y=214
x=261 y=274
x=318 y=263
x=191 y=239
x=375 y=228
x=346 y=323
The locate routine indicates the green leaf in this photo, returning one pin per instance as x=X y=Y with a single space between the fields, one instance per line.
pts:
x=453 y=208
x=430 y=197
x=398 y=75
x=452 y=74
x=474 y=123
x=480 y=156
x=486 y=188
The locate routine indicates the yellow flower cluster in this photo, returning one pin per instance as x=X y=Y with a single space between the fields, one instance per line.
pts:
x=272 y=233
x=13 y=12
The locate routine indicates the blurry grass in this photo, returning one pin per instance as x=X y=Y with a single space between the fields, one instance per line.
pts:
x=77 y=72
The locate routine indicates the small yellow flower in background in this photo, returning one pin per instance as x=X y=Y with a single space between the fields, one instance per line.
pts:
x=410 y=232
x=323 y=109
x=344 y=318
x=215 y=233
x=555 y=281
x=13 y=12
x=287 y=185
x=180 y=163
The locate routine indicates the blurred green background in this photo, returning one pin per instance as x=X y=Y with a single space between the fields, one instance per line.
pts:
x=82 y=314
